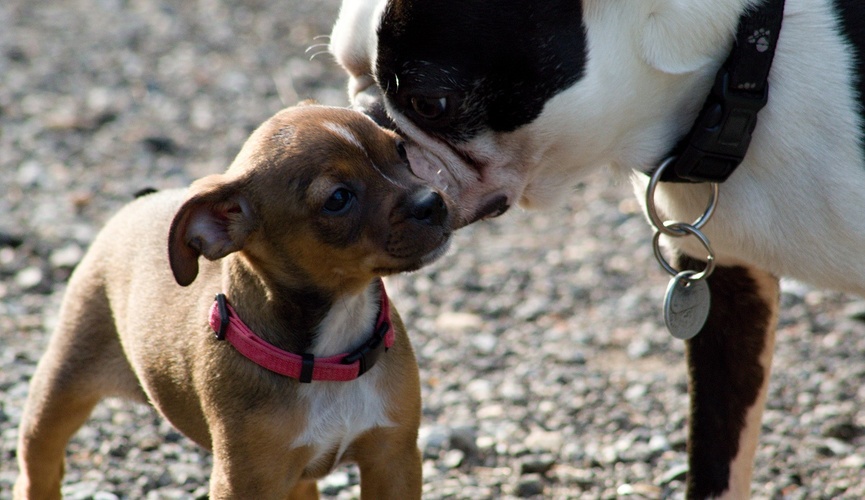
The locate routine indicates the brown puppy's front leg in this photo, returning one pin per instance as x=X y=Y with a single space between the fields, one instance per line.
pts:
x=305 y=489
x=253 y=456
x=390 y=464
x=729 y=363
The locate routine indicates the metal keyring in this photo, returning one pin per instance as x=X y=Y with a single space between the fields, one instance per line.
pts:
x=669 y=230
x=685 y=229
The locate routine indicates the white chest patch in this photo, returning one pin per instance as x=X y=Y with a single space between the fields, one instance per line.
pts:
x=341 y=411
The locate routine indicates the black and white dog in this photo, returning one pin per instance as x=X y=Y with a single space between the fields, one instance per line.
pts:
x=512 y=101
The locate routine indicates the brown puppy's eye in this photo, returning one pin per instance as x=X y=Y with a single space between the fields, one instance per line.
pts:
x=400 y=149
x=339 y=202
x=429 y=108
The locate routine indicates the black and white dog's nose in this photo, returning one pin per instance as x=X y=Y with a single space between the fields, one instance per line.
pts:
x=429 y=207
x=371 y=103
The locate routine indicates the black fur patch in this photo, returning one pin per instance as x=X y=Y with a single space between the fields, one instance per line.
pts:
x=851 y=15
x=725 y=375
x=498 y=62
x=301 y=312
x=144 y=192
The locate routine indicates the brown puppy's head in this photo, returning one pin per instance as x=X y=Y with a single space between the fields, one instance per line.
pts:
x=319 y=195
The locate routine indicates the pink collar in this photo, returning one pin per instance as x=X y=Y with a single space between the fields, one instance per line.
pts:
x=306 y=367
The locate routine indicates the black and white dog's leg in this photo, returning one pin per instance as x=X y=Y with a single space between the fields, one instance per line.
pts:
x=729 y=363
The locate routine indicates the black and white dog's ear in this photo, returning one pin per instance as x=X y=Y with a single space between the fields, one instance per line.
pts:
x=681 y=36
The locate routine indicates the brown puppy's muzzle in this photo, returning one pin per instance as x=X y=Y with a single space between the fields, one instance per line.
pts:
x=420 y=228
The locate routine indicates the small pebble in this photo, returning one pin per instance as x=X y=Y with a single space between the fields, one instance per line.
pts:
x=29 y=277
x=334 y=482
x=67 y=256
x=453 y=459
x=539 y=464
x=530 y=485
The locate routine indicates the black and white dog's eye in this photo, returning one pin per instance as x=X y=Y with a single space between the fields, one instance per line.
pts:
x=429 y=108
x=339 y=202
x=400 y=149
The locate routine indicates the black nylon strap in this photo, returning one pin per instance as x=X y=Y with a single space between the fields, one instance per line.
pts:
x=306 y=368
x=756 y=38
x=719 y=139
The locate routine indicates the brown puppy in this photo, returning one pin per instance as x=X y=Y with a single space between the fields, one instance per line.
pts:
x=316 y=207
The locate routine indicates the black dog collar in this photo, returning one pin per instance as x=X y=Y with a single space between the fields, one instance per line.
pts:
x=719 y=138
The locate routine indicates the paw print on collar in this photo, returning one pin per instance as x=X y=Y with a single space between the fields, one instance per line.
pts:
x=760 y=39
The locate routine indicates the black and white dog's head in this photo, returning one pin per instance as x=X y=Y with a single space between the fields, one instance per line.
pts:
x=509 y=101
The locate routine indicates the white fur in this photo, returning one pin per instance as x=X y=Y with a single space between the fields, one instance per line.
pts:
x=354 y=40
x=341 y=411
x=347 y=324
x=344 y=133
x=663 y=21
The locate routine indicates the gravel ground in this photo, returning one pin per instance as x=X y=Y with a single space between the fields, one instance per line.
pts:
x=545 y=366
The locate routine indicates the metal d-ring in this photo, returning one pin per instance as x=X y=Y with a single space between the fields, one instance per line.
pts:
x=684 y=229
x=673 y=229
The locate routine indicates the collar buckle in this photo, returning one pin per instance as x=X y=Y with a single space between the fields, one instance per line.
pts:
x=370 y=351
x=223 y=316
x=721 y=134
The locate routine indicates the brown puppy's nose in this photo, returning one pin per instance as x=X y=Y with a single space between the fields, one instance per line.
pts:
x=429 y=207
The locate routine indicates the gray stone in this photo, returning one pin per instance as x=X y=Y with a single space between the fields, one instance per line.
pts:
x=675 y=473
x=67 y=256
x=334 y=482
x=433 y=439
x=453 y=458
x=530 y=485
x=29 y=277
x=537 y=464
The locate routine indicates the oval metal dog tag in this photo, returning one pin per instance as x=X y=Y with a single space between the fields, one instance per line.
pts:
x=686 y=306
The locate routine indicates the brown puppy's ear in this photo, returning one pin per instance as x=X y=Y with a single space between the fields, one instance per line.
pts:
x=214 y=221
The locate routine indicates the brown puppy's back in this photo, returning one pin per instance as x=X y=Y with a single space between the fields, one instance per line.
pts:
x=126 y=263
